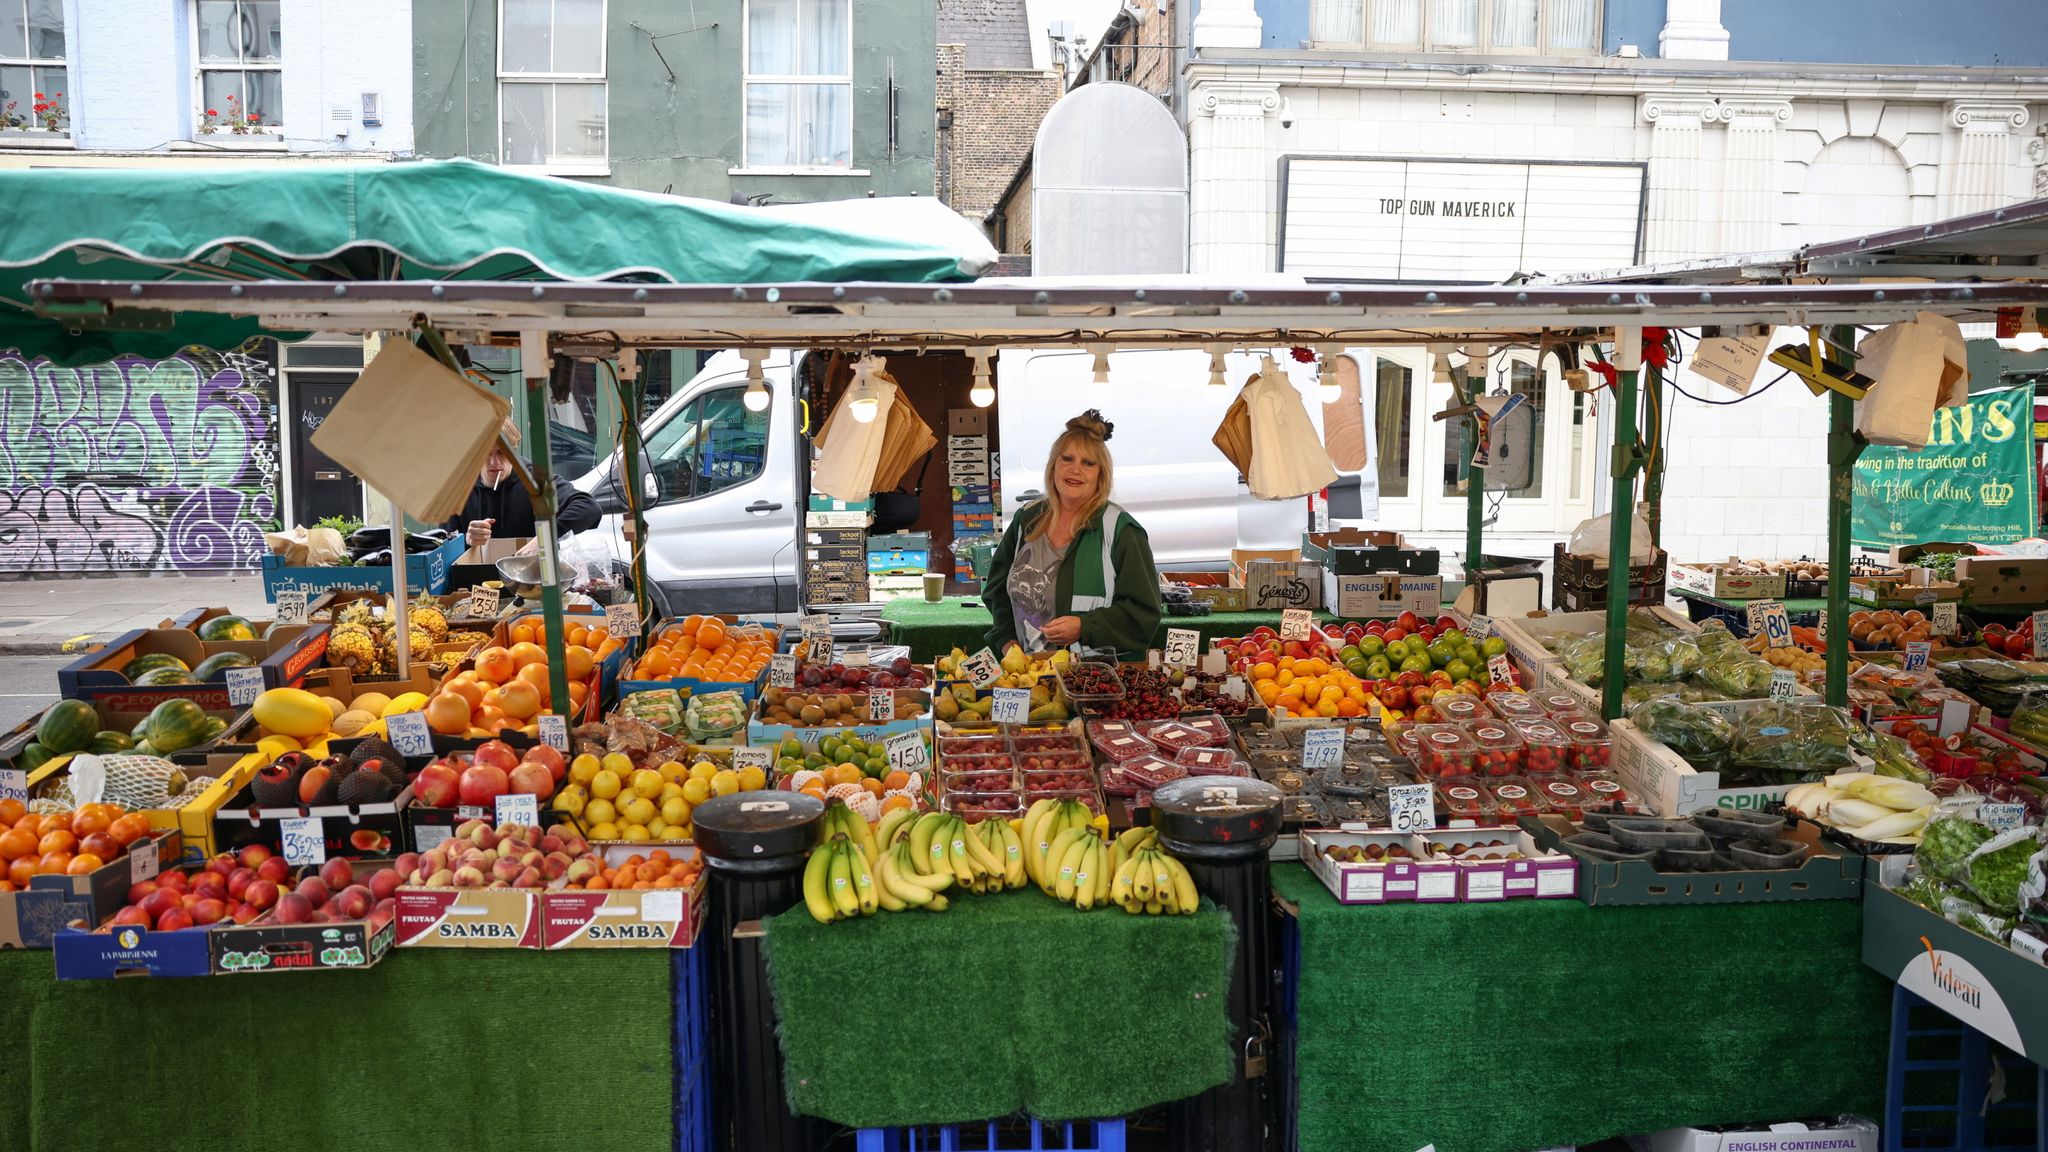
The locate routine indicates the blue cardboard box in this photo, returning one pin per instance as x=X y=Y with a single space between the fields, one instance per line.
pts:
x=424 y=572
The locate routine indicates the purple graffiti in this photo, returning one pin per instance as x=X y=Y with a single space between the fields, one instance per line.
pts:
x=137 y=464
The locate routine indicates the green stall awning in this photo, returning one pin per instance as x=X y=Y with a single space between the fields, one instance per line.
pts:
x=427 y=220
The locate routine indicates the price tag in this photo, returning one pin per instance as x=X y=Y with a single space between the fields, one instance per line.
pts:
x=1823 y=626
x=1411 y=807
x=782 y=670
x=143 y=861
x=554 y=731
x=427 y=836
x=483 y=601
x=816 y=632
x=291 y=606
x=1916 y=655
x=882 y=705
x=409 y=734
x=762 y=758
x=1784 y=685
x=2001 y=817
x=1480 y=628
x=471 y=812
x=1367 y=885
x=907 y=752
x=981 y=669
x=244 y=685
x=14 y=784
x=304 y=842
x=2040 y=622
x=1500 y=669
x=519 y=809
x=1767 y=618
x=1295 y=623
x=1011 y=706
x=1234 y=687
x=1945 y=619
x=622 y=619
x=1323 y=747
x=1182 y=646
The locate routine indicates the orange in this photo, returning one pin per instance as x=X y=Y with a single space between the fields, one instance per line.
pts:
x=524 y=633
x=54 y=863
x=527 y=652
x=20 y=871
x=60 y=840
x=895 y=780
x=873 y=786
x=691 y=624
x=608 y=647
x=839 y=774
x=596 y=637
x=892 y=803
x=83 y=864
x=448 y=712
x=11 y=810
x=578 y=660
x=490 y=719
x=711 y=634
x=574 y=633
x=128 y=829
x=59 y=822
x=465 y=686
x=17 y=843
x=579 y=691
x=814 y=788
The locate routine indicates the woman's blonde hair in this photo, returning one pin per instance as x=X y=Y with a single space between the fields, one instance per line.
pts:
x=1086 y=434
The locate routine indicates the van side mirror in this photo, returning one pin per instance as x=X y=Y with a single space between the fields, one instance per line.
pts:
x=608 y=498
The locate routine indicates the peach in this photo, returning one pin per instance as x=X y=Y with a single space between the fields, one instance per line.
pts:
x=337 y=874
x=441 y=879
x=261 y=894
x=243 y=913
x=314 y=890
x=353 y=902
x=294 y=909
x=467 y=830
x=581 y=870
x=384 y=883
x=507 y=870
x=468 y=877
x=253 y=855
x=555 y=864
x=174 y=920
x=406 y=863
x=209 y=911
x=274 y=869
x=529 y=878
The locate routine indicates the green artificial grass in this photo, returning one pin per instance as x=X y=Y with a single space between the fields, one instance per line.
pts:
x=431 y=1049
x=1530 y=1024
x=933 y=630
x=1000 y=1005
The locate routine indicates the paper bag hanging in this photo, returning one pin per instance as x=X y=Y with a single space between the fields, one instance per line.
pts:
x=1288 y=458
x=1917 y=366
x=850 y=452
x=906 y=440
x=414 y=430
x=1233 y=437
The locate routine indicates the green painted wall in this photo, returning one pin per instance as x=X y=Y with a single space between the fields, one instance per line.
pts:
x=683 y=136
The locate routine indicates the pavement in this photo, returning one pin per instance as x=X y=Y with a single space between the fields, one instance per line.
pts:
x=52 y=616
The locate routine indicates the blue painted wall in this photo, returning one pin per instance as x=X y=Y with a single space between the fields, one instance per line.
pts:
x=1634 y=22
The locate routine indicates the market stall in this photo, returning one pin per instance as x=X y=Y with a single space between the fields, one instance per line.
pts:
x=933 y=630
x=1465 y=895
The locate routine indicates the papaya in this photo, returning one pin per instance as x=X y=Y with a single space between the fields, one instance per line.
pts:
x=67 y=727
x=293 y=712
x=214 y=669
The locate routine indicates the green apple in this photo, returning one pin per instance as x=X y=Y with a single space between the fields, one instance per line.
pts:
x=1458 y=670
x=1379 y=668
x=1371 y=646
x=1494 y=646
x=1415 y=664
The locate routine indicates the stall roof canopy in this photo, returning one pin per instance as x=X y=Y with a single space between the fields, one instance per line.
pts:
x=446 y=221
x=2002 y=244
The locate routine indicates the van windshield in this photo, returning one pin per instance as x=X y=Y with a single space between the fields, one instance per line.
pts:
x=713 y=443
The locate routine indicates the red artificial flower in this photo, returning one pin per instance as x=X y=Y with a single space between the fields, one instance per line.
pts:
x=1303 y=355
x=211 y=112
x=39 y=95
x=254 y=118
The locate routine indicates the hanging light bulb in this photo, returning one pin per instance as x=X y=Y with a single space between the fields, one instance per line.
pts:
x=1101 y=353
x=757 y=397
x=1216 y=353
x=983 y=393
x=1328 y=390
x=861 y=399
x=1444 y=357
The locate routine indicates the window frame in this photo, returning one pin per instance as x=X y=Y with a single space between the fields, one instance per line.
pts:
x=25 y=101
x=1485 y=45
x=256 y=132
x=600 y=166
x=748 y=79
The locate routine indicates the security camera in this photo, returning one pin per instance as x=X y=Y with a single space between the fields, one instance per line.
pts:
x=1286 y=112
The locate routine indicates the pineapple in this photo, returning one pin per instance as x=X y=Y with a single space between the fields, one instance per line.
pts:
x=422 y=646
x=353 y=646
x=428 y=617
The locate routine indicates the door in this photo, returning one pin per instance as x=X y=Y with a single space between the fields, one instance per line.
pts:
x=320 y=487
x=721 y=503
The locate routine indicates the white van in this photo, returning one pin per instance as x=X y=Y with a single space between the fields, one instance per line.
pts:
x=725 y=489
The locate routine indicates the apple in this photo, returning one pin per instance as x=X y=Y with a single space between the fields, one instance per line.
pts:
x=261 y=894
x=209 y=911
x=481 y=784
x=176 y=880
x=529 y=779
x=139 y=890
x=238 y=883
x=437 y=786
x=243 y=913
x=549 y=757
x=159 y=902
x=210 y=884
x=1395 y=697
x=496 y=753
x=253 y=855
x=1409 y=621
x=132 y=915
x=223 y=864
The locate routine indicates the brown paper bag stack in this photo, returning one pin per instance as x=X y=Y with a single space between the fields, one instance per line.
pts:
x=414 y=430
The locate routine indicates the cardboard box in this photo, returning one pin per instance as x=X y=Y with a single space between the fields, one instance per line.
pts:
x=468 y=918
x=33 y=917
x=1354 y=552
x=260 y=946
x=1905 y=554
x=836 y=520
x=1271 y=585
x=2004 y=579
x=967 y=422
x=647 y=918
x=836 y=554
x=133 y=951
x=2000 y=992
x=1529 y=641
x=373 y=831
x=817 y=571
x=118 y=711
x=1911 y=588
x=1710 y=579
x=839 y=537
x=342 y=685
x=897 y=562
x=974 y=442
x=1837 y=1137
x=1383 y=596
x=974 y=494
x=216 y=780
x=1663 y=780
x=1382 y=882
x=1211 y=588
x=284 y=657
x=836 y=592
x=424 y=572
x=478 y=564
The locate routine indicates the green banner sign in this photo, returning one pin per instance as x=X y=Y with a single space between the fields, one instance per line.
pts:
x=1973 y=483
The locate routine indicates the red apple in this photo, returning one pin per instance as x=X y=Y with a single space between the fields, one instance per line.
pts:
x=550 y=756
x=437 y=786
x=481 y=784
x=1395 y=698
x=174 y=920
x=261 y=894
x=496 y=753
x=294 y=909
x=530 y=778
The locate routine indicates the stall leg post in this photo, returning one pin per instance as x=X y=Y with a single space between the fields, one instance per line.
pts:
x=1475 y=476
x=1653 y=474
x=1627 y=461
x=629 y=448
x=535 y=365
x=1844 y=446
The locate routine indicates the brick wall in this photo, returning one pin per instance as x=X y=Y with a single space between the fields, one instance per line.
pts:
x=995 y=113
x=1014 y=235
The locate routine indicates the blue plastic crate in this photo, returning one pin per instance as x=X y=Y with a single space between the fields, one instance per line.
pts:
x=1939 y=1081
x=692 y=1108
x=1013 y=1135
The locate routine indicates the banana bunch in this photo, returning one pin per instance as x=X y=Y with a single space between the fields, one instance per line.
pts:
x=1143 y=878
x=983 y=857
x=838 y=884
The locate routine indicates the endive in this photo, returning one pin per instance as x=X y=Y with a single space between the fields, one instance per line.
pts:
x=1895 y=825
x=1893 y=793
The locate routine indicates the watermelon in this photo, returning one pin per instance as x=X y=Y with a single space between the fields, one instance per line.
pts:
x=174 y=726
x=144 y=663
x=34 y=756
x=215 y=726
x=214 y=669
x=159 y=676
x=67 y=727
x=227 y=628
x=107 y=740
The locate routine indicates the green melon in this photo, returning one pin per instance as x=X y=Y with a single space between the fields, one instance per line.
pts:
x=227 y=628
x=152 y=660
x=107 y=740
x=214 y=669
x=34 y=756
x=67 y=727
x=160 y=676
x=174 y=726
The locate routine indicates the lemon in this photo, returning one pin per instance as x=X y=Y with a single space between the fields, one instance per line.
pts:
x=656 y=827
x=605 y=784
x=639 y=810
x=600 y=812
x=646 y=782
x=604 y=831
x=703 y=770
x=571 y=800
x=697 y=791
x=725 y=783
x=635 y=832
x=671 y=791
x=583 y=769
x=619 y=763
x=675 y=772
x=676 y=832
x=752 y=779
x=675 y=811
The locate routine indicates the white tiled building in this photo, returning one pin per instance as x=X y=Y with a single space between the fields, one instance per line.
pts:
x=1442 y=140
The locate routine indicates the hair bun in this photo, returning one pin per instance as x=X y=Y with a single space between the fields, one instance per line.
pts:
x=1093 y=424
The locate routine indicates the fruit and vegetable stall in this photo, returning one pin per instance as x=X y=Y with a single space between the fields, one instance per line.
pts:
x=1136 y=889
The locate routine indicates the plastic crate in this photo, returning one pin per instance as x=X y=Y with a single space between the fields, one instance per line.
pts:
x=1013 y=1135
x=1737 y=619
x=1286 y=1031
x=692 y=1076
x=1938 y=1086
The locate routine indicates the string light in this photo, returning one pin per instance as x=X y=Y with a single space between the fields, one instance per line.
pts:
x=983 y=393
x=757 y=397
x=862 y=401
x=1216 y=354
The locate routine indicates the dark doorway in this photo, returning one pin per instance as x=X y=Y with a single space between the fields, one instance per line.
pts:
x=320 y=487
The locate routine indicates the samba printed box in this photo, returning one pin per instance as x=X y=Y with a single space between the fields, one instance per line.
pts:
x=468 y=918
x=624 y=918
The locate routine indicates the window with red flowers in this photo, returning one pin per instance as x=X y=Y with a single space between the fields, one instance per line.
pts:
x=241 y=66
x=32 y=76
